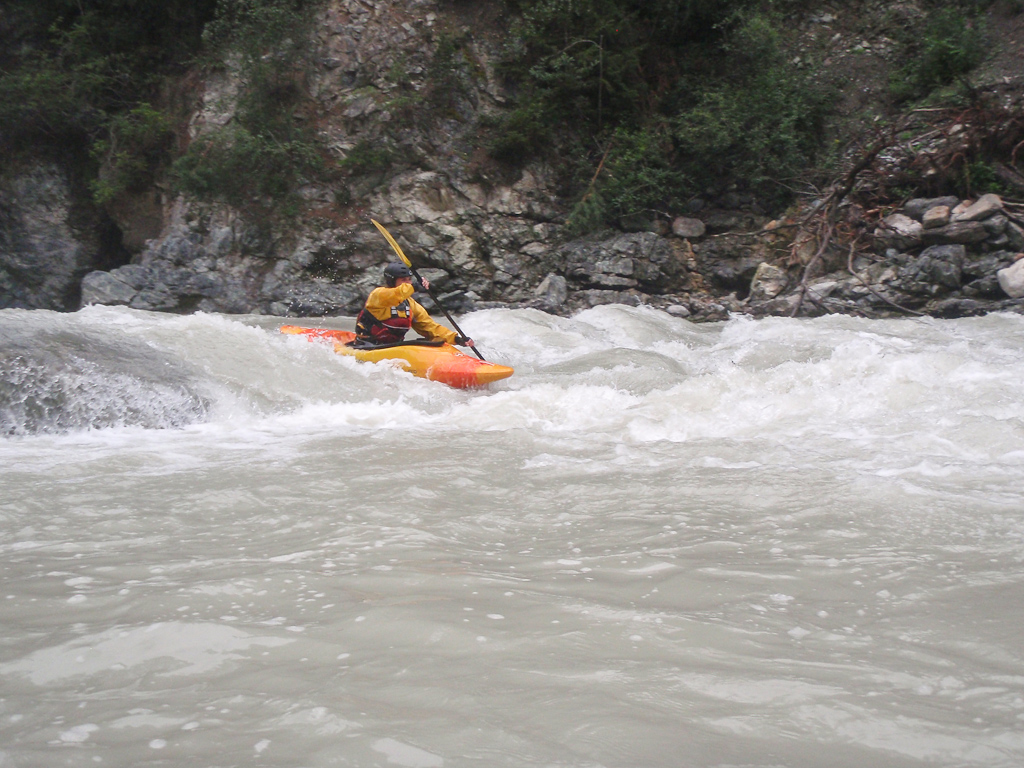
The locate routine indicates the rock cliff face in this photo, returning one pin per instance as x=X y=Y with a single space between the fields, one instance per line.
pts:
x=48 y=241
x=485 y=236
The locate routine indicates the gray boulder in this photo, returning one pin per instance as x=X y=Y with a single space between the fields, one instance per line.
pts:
x=959 y=232
x=688 y=228
x=900 y=231
x=625 y=261
x=552 y=292
x=769 y=281
x=936 y=217
x=917 y=207
x=940 y=265
x=986 y=206
x=104 y=288
x=1011 y=279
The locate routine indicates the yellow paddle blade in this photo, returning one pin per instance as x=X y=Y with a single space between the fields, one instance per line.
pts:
x=391 y=240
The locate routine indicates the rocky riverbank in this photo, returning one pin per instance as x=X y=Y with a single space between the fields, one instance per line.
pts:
x=942 y=257
x=488 y=236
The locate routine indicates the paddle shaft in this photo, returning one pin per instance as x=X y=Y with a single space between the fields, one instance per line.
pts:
x=405 y=260
x=441 y=307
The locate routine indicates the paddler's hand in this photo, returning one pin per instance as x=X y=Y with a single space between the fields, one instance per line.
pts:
x=422 y=285
x=464 y=341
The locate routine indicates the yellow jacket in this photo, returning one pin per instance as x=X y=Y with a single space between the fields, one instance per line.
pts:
x=381 y=300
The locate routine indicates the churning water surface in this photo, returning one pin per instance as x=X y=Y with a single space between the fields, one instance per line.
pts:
x=762 y=543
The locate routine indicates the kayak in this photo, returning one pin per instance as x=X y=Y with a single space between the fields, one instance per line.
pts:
x=432 y=360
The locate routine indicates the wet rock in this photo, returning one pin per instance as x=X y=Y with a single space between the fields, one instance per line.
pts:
x=552 y=292
x=678 y=310
x=726 y=269
x=181 y=247
x=48 y=241
x=220 y=241
x=1015 y=236
x=957 y=307
x=137 y=276
x=783 y=306
x=604 y=280
x=724 y=221
x=625 y=261
x=316 y=298
x=103 y=288
x=708 y=310
x=768 y=282
x=960 y=207
x=439 y=279
x=986 y=264
x=155 y=300
x=984 y=288
x=596 y=298
x=995 y=225
x=822 y=289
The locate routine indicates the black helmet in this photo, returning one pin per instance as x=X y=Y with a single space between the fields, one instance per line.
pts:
x=395 y=270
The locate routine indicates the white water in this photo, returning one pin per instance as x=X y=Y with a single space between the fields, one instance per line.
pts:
x=777 y=543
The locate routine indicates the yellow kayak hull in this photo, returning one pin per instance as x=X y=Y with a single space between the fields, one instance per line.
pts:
x=434 y=362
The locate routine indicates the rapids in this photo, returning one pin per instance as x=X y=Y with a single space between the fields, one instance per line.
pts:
x=760 y=543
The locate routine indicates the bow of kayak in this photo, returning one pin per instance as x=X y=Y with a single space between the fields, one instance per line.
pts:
x=434 y=361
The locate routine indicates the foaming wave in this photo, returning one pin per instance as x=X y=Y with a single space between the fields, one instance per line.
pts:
x=45 y=391
x=627 y=373
x=953 y=389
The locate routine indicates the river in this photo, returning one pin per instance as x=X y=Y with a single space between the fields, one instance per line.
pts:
x=763 y=543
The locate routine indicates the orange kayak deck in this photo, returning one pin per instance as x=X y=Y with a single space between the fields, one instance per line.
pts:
x=428 y=360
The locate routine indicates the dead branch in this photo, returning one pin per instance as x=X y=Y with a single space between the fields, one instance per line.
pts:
x=597 y=173
x=1008 y=175
x=826 y=212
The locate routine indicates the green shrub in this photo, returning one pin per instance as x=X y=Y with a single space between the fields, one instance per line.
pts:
x=690 y=93
x=131 y=152
x=763 y=127
x=237 y=167
x=368 y=157
x=978 y=177
x=521 y=133
x=951 y=46
x=448 y=73
x=640 y=174
x=266 y=152
x=588 y=215
x=268 y=34
x=43 y=102
x=84 y=77
x=74 y=68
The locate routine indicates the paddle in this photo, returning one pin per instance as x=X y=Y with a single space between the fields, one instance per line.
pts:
x=405 y=260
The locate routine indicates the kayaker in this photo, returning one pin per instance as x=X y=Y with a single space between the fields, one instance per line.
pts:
x=391 y=311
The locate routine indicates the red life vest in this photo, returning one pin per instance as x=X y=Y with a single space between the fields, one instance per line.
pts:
x=389 y=331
